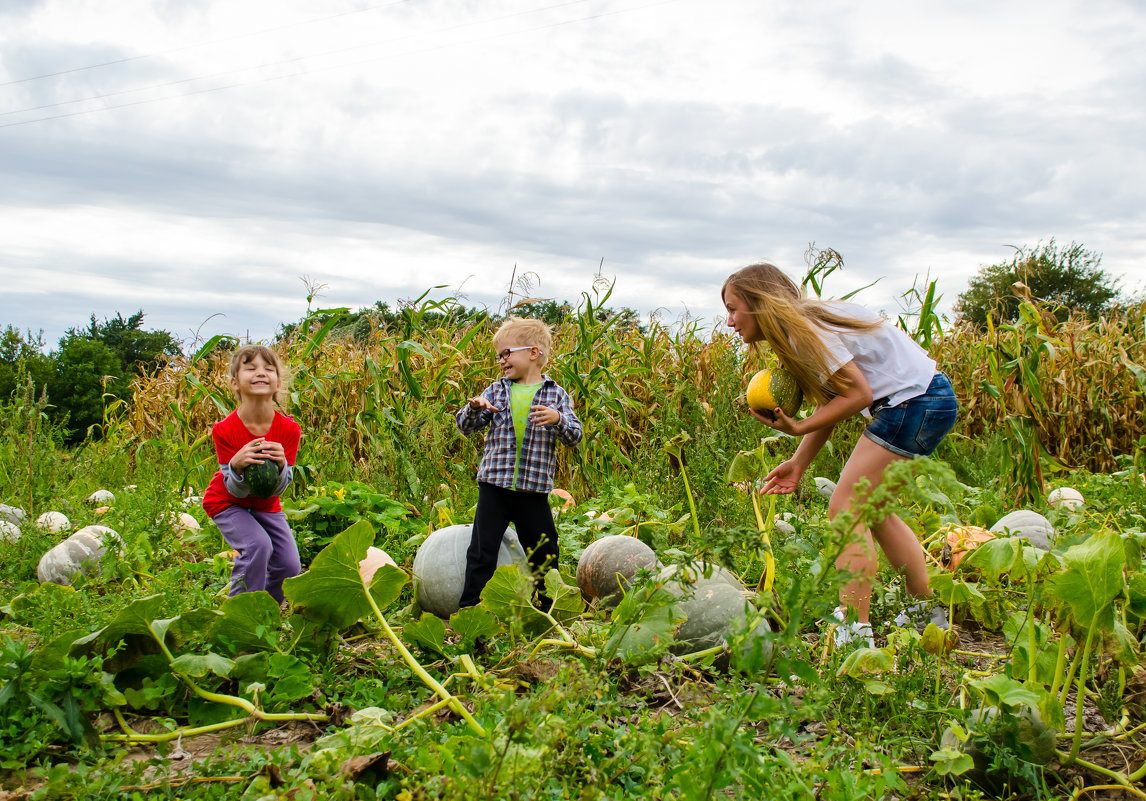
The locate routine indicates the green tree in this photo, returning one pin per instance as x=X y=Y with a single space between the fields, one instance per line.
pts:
x=98 y=360
x=18 y=350
x=138 y=351
x=85 y=370
x=1070 y=278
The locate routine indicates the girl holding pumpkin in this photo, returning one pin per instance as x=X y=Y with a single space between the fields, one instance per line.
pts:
x=848 y=360
x=255 y=433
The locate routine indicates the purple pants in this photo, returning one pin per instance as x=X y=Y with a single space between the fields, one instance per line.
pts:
x=268 y=554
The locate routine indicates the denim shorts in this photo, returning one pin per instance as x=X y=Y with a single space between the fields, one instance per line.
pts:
x=916 y=426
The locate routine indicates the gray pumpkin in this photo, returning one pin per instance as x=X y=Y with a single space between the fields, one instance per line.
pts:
x=440 y=566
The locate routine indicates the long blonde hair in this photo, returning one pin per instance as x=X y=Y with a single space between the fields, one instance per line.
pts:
x=787 y=321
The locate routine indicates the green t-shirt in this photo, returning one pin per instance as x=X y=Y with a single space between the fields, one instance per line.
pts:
x=520 y=401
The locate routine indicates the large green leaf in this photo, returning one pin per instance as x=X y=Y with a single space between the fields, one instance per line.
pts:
x=567 y=601
x=332 y=590
x=429 y=632
x=509 y=595
x=473 y=622
x=1092 y=579
x=950 y=591
x=248 y=621
x=996 y=558
x=1003 y=691
x=135 y=619
x=199 y=665
x=286 y=677
x=132 y=630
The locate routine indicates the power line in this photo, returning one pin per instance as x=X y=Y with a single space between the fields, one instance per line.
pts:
x=263 y=65
x=237 y=37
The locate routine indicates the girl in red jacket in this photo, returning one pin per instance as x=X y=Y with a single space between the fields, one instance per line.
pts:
x=255 y=432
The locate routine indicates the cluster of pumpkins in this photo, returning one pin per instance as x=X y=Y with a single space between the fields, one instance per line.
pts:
x=1023 y=523
x=81 y=551
x=712 y=599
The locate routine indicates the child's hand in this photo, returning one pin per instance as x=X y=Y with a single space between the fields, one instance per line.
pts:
x=258 y=451
x=482 y=402
x=544 y=416
x=783 y=479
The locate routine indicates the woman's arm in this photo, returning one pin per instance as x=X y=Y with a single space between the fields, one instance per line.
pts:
x=814 y=430
x=841 y=407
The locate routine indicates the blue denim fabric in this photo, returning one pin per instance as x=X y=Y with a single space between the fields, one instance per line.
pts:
x=916 y=426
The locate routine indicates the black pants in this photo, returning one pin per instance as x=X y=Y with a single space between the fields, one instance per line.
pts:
x=532 y=518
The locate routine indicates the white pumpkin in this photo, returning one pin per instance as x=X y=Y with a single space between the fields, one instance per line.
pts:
x=825 y=486
x=80 y=552
x=192 y=501
x=9 y=531
x=101 y=496
x=782 y=526
x=12 y=514
x=1030 y=526
x=53 y=521
x=181 y=522
x=1066 y=498
x=440 y=566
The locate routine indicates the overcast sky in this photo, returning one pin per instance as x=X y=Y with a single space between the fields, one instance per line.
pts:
x=194 y=158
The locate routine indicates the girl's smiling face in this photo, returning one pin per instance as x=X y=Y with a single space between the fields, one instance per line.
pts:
x=256 y=378
x=740 y=319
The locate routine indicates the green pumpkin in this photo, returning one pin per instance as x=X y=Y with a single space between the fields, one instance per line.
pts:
x=771 y=388
x=262 y=478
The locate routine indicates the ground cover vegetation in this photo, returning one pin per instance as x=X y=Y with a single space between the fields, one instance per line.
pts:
x=142 y=680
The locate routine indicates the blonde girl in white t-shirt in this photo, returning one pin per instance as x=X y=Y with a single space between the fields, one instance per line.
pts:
x=849 y=361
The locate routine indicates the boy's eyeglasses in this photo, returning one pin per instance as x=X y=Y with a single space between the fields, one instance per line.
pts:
x=505 y=353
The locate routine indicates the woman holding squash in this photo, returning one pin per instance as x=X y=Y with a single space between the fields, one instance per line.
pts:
x=849 y=361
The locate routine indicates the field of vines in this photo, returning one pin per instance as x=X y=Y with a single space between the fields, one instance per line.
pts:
x=140 y=679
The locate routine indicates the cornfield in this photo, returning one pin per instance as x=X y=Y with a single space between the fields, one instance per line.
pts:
x=1076 y=390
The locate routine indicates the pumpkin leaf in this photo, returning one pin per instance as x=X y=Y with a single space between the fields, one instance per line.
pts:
x=332 y=590
x=1124 y=645
x=951 y=761
x=199 y=665
x=286 y=676
x=864 y=662
x=1092 y=580
x=950 y=591
x=473 y=622
x=1003 y=691
x=642 y=625
x=428 y=631
x=248 y=621
x=996 y=558
x=567 y=601
x=509 y=595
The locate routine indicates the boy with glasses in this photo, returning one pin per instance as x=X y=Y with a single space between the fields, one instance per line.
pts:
x=527 y=413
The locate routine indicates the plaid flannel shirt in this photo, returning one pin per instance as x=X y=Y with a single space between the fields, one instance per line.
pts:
x=538 y=448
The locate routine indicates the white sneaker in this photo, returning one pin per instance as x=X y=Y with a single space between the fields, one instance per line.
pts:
x=852 y=633
x=918 y=616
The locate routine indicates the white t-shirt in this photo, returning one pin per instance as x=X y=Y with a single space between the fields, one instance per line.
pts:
x=895 y=366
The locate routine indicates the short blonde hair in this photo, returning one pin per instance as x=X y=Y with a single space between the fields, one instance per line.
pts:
x=525 y=331
x=247 y=353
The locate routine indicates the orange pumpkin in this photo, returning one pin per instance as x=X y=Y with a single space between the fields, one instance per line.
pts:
x=964 y=539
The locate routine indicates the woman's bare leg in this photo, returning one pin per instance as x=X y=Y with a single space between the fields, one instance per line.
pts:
x=898 y=542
